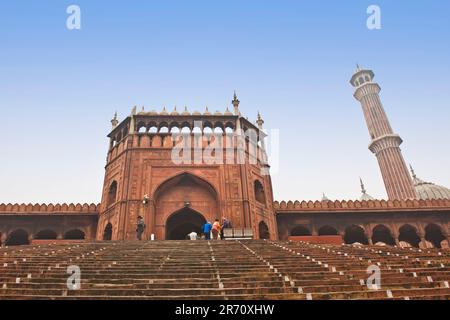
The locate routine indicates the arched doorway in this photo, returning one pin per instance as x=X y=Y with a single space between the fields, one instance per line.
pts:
x=183 y=222
x=409 y=234
x=46 y=235
x=178 y=195
x=355 y=234
x=17 y=238
x=300 y=231
x=433 y=234
x=263 y=230
x=75 y=234
x=107 y=233
x=381 y=233
x=260 y=195
x=328 y=231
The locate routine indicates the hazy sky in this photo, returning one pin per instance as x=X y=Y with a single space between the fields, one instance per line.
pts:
x=291 y=60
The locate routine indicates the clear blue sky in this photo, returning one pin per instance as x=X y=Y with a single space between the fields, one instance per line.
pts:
x=291 y=60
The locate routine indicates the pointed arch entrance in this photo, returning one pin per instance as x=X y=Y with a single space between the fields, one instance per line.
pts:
x=183 y=222
x=182 y=203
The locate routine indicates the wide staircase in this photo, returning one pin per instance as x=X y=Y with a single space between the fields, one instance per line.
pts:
x=241 y=269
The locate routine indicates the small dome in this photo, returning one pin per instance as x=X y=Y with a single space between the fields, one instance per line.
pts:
x=174 y=112
x=186 y=112
x=142 y=111
x=196 y=113
x=164 y=112
x=228 y=112
x=364 y=195
x=217 y=113
x=427 y=190
x=153 y=112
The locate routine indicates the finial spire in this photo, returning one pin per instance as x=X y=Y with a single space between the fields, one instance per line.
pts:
x=365 y=196
x=114 y=121
x=260 y=121
x=363 y=188
x=324 y=197
x=235 y=103
x=413 y=173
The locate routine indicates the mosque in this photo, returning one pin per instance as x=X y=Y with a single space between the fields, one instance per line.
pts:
x=231 y=179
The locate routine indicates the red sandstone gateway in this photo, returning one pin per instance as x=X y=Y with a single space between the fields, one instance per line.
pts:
x=362 y=249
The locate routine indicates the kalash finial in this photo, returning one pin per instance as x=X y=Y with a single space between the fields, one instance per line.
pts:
x=260 y=121
x=114 y=121
x=235 y=103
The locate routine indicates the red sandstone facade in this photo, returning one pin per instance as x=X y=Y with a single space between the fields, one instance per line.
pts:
x=417 y=223
x=142 y=179
x=22 y=224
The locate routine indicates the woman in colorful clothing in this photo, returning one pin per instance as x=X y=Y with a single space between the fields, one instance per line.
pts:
x=216 y=229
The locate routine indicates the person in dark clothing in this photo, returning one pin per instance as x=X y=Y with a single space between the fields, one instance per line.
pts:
x=207 y=230
x=225 y=225
x=140 y=227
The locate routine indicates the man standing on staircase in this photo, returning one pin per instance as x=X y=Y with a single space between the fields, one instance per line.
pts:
x=225 y=225
x=207 y=230
x=140 y=227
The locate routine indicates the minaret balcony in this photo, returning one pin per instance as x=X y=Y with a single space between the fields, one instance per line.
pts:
x=385 y=142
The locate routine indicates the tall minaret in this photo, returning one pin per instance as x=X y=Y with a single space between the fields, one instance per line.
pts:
x=385 y=143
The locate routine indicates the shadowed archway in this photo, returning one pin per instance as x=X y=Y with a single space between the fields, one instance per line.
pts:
x=300 y=231
x=183 y=222
x=46 y=234
x=408 y=233
x=328 y=231
x=107 y=233
x=17 y=238
x=381 y=233
x=182 y=194
x=355 y=234
x=74 y=234
x=263 y=230
x=433 y=234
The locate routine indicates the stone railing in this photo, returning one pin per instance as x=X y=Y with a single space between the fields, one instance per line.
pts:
x=49 y=208
x=370 y=205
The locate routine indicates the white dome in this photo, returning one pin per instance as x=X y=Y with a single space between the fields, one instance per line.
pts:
x=428 y=191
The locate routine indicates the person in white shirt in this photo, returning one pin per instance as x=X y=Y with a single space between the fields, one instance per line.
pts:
x=193 y=235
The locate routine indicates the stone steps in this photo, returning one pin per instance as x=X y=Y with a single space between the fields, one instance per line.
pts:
x=258 y=270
